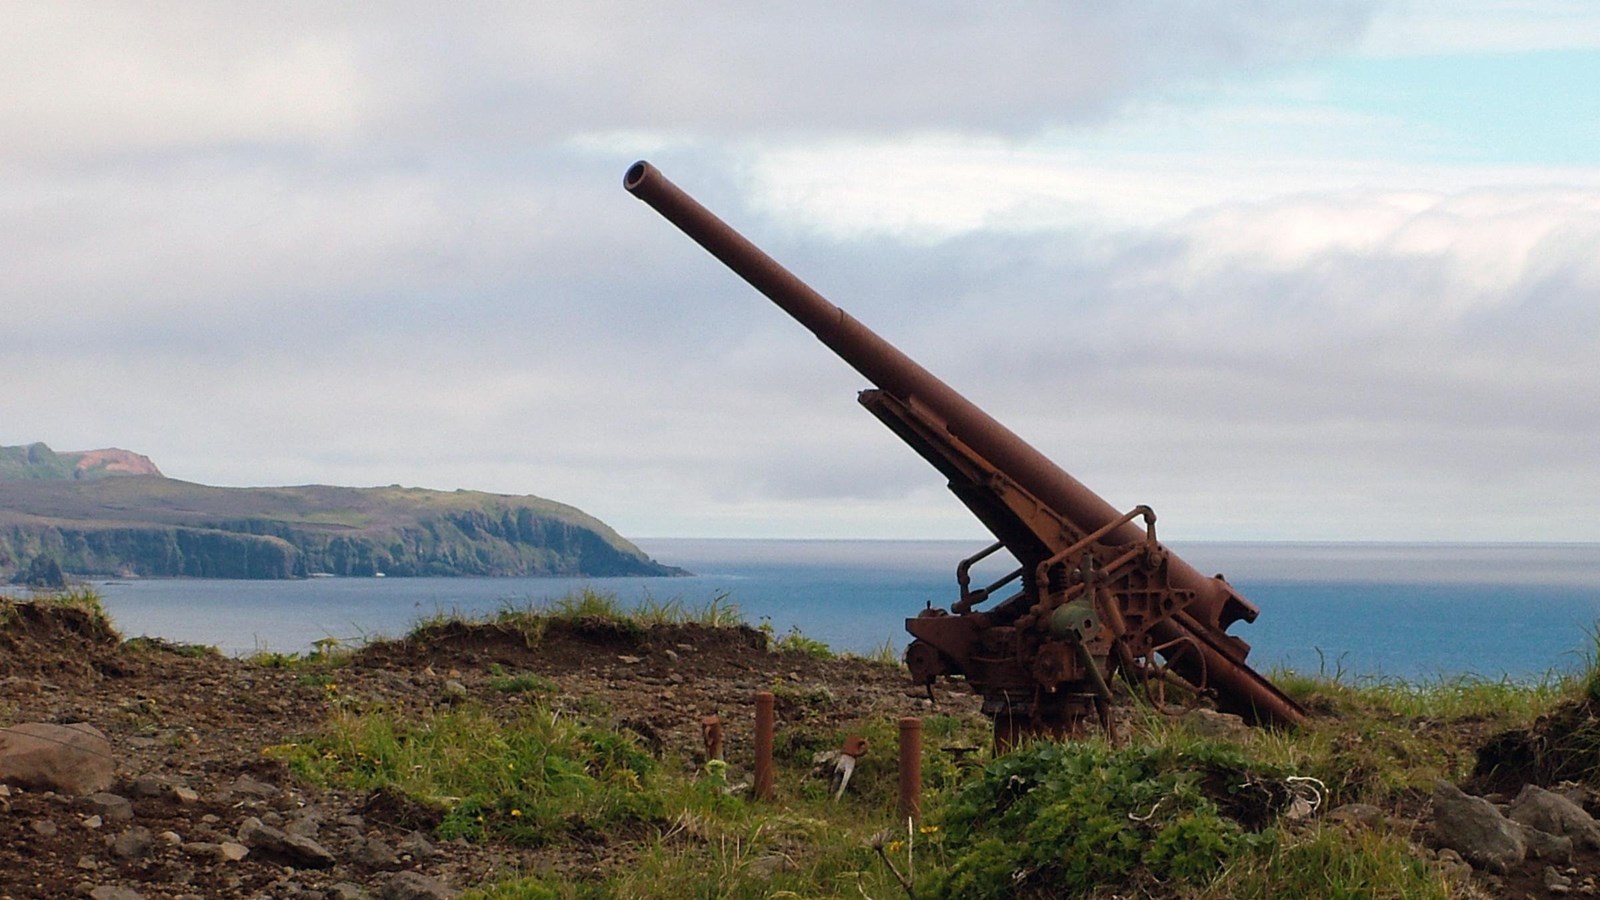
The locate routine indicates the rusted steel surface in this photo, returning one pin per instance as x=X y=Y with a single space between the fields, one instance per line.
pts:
x=764 y=731
x=1095 y=595
x=910 y=805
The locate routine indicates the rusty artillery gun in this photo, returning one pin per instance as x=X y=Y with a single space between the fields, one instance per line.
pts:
x=1095 y=593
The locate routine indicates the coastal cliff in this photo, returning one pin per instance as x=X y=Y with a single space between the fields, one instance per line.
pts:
x=105 y=513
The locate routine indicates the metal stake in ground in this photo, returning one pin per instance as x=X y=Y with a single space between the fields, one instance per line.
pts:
x=764 y=717
x=911 y=768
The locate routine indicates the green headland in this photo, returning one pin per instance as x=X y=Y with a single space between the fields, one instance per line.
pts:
x=112 y=513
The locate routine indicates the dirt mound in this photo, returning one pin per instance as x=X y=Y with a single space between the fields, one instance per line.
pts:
x=65 y=641
x=564 y=645
x=1561 y=746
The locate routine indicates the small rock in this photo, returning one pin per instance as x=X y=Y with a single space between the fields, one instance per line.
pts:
x=170 y=838
x=1555 y=882
x=1543 y=845
x=113 y=892
x=630 y=660
x=306 y=823
x=344 y=890
x=133 y=843
x=672 y=655
x=415 y=886
x=149 y=786
x=110 y=807
x=675 y=678
x=294 y=848
x=1364 y=814
x=375 y=853
x=232 y=851
x=417 y=846
x=185 y=794
x=88 y=863
x=455 y=690
x=246 y=786
x=1453 y=864
x=43 y=827
x=93 y=822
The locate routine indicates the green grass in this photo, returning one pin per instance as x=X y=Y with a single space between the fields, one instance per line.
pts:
x=526 y=683
x=717 y=612
x=588 y=606
x=529 y=780
x=158 y=645
x=794 y=641
x=1170 y=811
x=328 y=651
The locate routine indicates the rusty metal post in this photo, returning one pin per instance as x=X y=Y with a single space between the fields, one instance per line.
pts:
x=911 y=768
x=764 y=722
x=711 y=734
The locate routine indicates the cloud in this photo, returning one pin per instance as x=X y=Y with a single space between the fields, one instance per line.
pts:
x=109 y=81
x=1479 y=26
x=360 y=245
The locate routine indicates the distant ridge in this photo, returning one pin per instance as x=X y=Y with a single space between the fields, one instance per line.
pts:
x=112 y=513
x=38 y=462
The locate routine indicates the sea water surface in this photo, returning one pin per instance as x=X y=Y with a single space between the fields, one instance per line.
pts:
x=1412 y=611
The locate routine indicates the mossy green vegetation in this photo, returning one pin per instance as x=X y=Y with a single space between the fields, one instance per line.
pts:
x=529 y=780
x=1167 y=809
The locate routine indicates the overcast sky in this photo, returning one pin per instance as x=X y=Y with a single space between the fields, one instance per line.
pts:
x=1282 y=270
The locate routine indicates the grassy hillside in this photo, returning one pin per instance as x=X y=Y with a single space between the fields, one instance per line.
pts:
x=154 y=526
x=39 y=462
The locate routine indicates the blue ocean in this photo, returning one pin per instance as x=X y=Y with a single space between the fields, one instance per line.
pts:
x=1411 y=611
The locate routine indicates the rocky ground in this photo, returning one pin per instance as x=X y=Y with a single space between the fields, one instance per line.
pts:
x=194 y=808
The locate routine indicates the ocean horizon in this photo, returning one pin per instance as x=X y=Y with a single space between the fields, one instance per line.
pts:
x=1414 y=611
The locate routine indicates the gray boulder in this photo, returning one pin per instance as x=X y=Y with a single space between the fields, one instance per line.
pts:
x=415 y=886
x=296 y=849
x=70 y=759
x=1546 y=846
x=1553 y=813
x=1474 y=828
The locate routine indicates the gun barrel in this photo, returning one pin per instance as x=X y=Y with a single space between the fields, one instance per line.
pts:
x=1216 y=605
x=875 y=358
